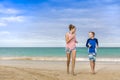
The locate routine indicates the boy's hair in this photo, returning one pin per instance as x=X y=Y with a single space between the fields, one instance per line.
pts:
x=92 y=33
x=71 y=27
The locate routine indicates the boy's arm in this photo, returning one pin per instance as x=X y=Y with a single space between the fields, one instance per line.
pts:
x=97 y=43
x=87 y=43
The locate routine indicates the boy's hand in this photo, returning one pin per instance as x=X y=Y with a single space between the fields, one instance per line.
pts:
x=89 y=45
x=97 y=46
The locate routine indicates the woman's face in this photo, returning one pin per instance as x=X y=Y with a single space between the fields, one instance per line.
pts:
x=73 y=30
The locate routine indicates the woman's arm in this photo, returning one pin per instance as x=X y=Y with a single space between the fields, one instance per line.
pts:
x=76 y=40
x=69 y=39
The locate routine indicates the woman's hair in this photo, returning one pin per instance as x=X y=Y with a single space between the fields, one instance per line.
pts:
x=71 y=27
x=92 y=33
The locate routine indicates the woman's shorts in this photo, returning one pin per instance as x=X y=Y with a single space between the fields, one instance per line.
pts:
x=70 y=50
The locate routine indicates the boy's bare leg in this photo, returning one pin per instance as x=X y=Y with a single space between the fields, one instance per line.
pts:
x=68 y=61
x=92 y=65
x=73 y=60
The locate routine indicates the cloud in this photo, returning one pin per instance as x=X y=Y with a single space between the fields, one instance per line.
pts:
x=4 y=21
x=48 y=25
x=10 y=14
x=13 y=19
x=101 y=18
x=2 y=24
x=2 y=33
x=31 y=43
x=9 y=11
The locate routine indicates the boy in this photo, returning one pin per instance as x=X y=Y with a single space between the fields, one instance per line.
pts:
x=92 y=44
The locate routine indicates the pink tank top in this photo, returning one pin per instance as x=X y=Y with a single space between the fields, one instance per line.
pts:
x=72 y=43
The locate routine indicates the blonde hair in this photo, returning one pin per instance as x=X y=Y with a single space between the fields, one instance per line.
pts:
x=92 y=33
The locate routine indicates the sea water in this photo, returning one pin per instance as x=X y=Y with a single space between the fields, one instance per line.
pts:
x=109 y=53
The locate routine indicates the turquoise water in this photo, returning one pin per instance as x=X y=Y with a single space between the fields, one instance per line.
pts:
x=54 y=52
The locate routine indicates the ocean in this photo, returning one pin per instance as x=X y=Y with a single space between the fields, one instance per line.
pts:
x=58 y=53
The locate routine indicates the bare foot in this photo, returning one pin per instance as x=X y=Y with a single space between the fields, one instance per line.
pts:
x=67 y=72
x=93 y=72
x=73 y=74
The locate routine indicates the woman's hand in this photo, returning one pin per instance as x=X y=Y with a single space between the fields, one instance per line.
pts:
x=73 y=35
x=76 y=41
x=69 y=39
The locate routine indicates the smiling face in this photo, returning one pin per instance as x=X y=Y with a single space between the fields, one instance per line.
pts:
x=73 y=30
x=91 y=34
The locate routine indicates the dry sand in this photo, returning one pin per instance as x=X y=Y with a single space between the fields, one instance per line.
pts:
x=48 y=70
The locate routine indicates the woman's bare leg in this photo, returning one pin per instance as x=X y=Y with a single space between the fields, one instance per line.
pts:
x=73 y=60
x=68 y=61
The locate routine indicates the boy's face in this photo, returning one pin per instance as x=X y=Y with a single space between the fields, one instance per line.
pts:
x=91 y=35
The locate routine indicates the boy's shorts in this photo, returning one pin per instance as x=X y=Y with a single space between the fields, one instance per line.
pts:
x=92 y=57
x=70 y=50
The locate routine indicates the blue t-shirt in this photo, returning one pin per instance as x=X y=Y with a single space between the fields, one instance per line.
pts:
x=93 y=43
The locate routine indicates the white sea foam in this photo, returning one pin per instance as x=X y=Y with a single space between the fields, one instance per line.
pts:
x=57 y=59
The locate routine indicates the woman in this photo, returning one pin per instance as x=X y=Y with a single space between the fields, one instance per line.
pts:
x=71 y=47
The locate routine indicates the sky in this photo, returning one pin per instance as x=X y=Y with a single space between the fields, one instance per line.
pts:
x=44 y=23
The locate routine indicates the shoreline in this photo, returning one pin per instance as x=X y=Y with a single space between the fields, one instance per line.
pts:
x=59 y=59
x=53 y=64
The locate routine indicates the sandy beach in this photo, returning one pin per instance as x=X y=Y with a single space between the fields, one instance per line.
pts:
x=56 y=70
